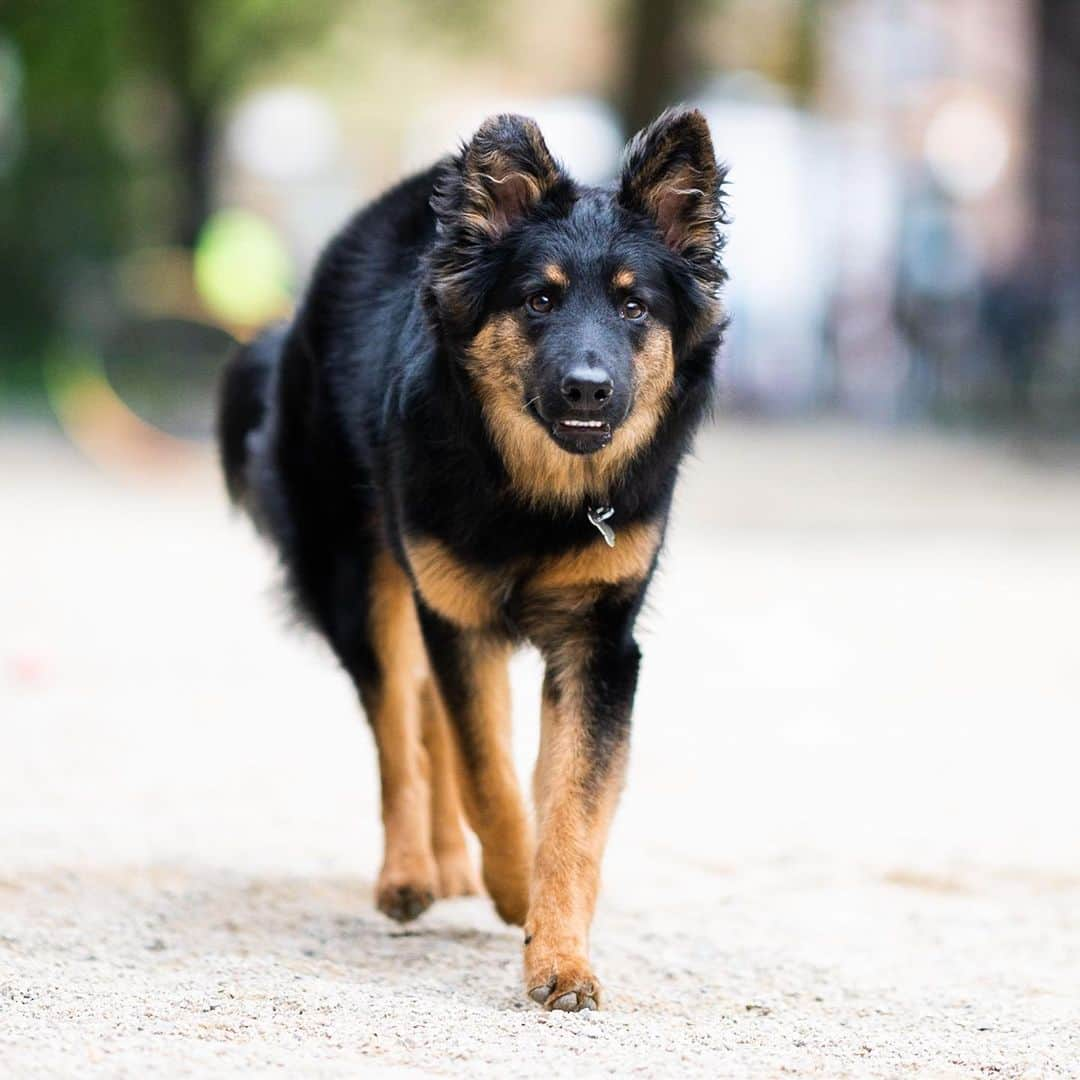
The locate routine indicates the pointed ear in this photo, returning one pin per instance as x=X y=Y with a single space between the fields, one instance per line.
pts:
x=670 y=174
x=502 y=173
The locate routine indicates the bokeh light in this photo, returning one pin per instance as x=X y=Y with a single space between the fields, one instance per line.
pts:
x=242 y=270
x=287 y=116
x=967 y=147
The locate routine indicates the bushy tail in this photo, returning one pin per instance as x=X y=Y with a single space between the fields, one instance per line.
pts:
x=242 y=404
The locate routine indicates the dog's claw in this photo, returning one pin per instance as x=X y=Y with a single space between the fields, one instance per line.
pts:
x=566 y=1003
x=581 y=1000
x=574 y=1001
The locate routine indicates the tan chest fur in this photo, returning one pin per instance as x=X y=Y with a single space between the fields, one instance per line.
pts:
x=465 y=595
x=598 y=564
x=471 y=596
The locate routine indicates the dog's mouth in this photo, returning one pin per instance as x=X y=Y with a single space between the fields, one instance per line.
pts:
x=583 y=436
x=576 y=435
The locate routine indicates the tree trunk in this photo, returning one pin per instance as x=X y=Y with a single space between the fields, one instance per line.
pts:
x=1057 y=147
x=171 y=30
x=661 y=61
x=194 y=154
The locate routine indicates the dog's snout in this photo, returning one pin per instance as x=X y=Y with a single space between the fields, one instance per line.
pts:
x=588 y=389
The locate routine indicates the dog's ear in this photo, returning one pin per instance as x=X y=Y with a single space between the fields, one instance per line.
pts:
x=670 y=174
x=503 y=172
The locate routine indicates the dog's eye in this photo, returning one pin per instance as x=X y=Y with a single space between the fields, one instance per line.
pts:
x=633 y=310
x=541 y=303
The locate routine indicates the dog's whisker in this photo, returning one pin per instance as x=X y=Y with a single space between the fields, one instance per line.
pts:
x=533 y=401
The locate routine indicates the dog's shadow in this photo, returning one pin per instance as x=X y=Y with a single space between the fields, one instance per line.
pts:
x=321 y=926
x=255 y=935
x=332 y=915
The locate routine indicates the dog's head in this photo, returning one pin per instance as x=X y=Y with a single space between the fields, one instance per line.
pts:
x=570 y=307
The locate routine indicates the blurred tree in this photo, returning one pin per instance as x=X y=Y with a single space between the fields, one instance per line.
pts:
x=61 y=190
x=664 y=60
x=1057 y=145
x=67 y=201
x=1056 y=198
x=806 y=54
x=203 y=51
x=661 y=59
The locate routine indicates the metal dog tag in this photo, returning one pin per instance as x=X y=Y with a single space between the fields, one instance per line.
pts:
x=599 y=516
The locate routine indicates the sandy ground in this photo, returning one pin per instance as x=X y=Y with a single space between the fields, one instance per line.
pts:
x=849 y=845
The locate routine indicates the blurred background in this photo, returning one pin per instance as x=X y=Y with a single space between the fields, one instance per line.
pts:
x=905 y=184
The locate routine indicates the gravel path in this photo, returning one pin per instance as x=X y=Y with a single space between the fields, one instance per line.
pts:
x=848 y=846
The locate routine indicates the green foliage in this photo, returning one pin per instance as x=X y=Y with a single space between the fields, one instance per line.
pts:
x=75 y=195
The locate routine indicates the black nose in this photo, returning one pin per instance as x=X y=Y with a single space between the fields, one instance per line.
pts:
x=588 y=389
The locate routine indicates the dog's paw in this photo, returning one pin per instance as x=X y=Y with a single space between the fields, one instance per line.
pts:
x=404 y=894
x=457 y=875
x=565 y=983
x=507 y=881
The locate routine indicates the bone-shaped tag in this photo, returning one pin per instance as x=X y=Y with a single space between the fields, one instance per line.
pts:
x=599 y=516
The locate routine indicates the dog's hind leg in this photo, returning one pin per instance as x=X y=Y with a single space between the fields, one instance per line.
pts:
x=457 y=876
x=408 y=880
x=471 y=671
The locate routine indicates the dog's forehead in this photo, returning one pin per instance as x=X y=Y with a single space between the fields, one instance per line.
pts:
x=591 y=238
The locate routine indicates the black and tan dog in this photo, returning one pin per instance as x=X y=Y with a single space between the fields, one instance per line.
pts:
x=467 y=439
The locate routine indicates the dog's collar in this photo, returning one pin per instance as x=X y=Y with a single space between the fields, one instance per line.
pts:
x=599 y=516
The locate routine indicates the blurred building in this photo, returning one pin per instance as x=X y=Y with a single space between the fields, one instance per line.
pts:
x=979 y=102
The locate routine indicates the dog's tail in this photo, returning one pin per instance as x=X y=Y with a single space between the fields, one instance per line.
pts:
x=243 y=402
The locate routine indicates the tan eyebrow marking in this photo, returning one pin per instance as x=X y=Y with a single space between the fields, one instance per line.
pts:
x=556 y=275
x=623 y=279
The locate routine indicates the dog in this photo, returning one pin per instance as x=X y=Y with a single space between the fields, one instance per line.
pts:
x=467 y=439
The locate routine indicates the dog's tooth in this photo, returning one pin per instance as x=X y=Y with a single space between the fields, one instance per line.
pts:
x=591 y=425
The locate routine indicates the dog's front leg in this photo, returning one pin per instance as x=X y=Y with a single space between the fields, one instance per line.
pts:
x=587 y=699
